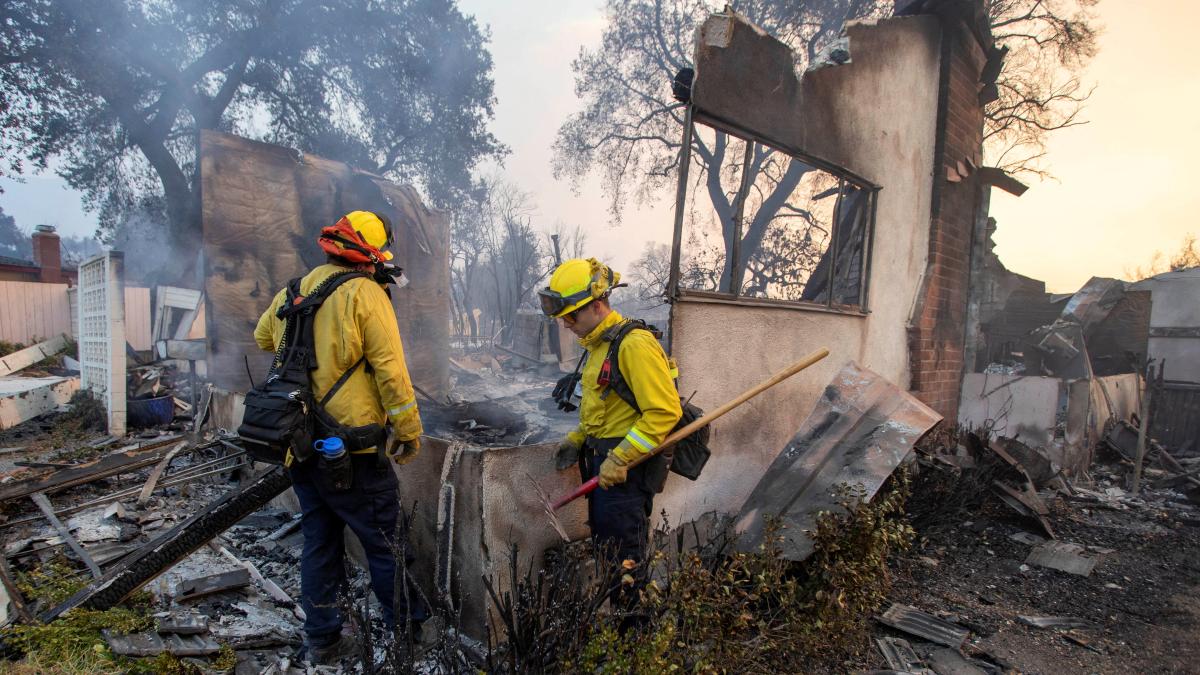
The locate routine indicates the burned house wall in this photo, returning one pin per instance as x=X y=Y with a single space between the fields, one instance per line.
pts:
x=475 y=513
x=1117 y=344
x=938 y=329
x=1010 y=306
x=877 y=116
x=263 y=206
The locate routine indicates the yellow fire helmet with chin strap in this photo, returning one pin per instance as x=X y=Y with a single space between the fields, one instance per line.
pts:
x=575 y=283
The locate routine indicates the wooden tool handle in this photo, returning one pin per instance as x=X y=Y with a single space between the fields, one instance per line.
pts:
x=688 y=430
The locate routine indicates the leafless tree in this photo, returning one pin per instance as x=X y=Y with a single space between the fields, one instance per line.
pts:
x=467 y=251
x=650 y=274
x=1185 y=258
x=572 y=241
x=629 y=128
x=515 y=261
x=1040 y=87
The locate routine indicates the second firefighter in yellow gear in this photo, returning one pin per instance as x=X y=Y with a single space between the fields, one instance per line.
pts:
x=612 y=434
x=603 y=415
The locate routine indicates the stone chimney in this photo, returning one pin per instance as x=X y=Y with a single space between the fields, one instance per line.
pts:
x=47 y=253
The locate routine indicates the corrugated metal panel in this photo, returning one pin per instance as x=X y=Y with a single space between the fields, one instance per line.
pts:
x=915 y=622
x=1176 y=421
x=860 y=430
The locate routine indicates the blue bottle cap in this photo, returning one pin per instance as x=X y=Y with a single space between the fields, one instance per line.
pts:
x=329 y=446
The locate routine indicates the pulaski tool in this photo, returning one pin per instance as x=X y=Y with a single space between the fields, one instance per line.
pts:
x=680 y=434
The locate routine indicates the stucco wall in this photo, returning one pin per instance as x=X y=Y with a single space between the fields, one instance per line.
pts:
x=1174 y=305
x=495 y=508
x=884 y=104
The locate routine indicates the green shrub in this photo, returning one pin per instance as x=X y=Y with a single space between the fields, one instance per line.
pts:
x=755 y=611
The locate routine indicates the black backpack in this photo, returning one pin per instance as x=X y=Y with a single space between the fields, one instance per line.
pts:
x=689 y=456
x=282 y=412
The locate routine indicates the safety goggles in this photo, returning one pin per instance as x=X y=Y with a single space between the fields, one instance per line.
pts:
x=554 y=303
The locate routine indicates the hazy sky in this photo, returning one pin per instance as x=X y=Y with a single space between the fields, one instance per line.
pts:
x=1126 y=180
x=1124 y=185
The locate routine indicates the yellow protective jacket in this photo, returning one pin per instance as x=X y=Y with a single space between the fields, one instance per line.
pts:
x=602 y=414
x=357 y=319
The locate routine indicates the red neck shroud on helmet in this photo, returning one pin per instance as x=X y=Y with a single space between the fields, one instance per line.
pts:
x=353 y=247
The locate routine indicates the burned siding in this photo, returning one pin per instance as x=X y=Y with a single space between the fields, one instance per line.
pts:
x=263 y=206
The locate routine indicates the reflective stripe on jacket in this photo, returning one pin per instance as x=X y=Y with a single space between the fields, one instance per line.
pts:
x=357 y=319
x=602 y=414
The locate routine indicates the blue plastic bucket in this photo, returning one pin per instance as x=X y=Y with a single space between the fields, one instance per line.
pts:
x=149 y=412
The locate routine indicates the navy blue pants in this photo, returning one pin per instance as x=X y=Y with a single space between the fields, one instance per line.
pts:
x=620 y=520
x=370 y=509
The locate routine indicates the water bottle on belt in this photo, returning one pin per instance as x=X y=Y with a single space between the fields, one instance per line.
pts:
x=335 y=463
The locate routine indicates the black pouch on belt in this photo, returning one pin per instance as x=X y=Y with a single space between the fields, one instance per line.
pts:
x=338 y=472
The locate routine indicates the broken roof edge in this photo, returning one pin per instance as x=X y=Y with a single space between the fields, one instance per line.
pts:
x=973 y=13
x=224 y=140
x=997 y=177
x=1173 y=275
x=746 y=84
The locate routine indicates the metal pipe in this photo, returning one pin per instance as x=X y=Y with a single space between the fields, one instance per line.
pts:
x=831 y=248
x=869 y=245
x=685 y=161
x=527 y=358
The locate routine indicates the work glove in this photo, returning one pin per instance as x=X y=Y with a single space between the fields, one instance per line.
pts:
x=567 y=455
x=403 y=452
x=613 y=471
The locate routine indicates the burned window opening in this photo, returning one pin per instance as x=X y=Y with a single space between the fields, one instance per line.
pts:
x=768 y=224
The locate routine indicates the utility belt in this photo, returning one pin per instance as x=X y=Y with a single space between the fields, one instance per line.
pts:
x=650 y=476
x=365 y=446
x=356 y=439
x=359 y=441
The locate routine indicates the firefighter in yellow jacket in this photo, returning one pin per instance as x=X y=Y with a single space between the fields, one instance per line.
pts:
x=612 y=432
x=354 y=333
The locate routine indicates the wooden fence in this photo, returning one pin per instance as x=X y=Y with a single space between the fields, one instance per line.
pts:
x=31 y=311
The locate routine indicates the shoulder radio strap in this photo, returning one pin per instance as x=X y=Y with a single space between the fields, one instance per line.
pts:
x=617 y=381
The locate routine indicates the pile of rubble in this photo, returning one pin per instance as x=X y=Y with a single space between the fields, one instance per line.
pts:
x=1018 y=569
x=98 y=522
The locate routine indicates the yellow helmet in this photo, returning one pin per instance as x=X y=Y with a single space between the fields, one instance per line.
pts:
x=360 y=236
x=574 y=284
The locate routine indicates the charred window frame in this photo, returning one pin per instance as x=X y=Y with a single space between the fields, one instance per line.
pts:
x=835 y=276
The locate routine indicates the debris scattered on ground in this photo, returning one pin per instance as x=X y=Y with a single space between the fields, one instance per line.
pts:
x=1052 y=621
x=924 y=625
x=1066 y=557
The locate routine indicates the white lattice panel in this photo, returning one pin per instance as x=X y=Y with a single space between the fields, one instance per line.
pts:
x=101 y=304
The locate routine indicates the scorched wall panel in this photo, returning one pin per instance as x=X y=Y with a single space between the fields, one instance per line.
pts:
x=263 y=206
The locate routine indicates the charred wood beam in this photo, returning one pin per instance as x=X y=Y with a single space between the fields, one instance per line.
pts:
x=170 y=547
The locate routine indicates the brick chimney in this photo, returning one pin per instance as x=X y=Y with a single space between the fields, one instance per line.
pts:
x=47 y=253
